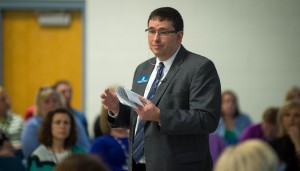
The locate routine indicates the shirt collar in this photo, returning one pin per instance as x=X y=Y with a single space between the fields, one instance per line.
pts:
x=167 y=63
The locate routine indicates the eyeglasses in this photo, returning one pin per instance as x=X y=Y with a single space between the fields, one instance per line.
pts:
x=162 y=32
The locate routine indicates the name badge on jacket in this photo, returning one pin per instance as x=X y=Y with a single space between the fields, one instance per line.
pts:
x=142 y=79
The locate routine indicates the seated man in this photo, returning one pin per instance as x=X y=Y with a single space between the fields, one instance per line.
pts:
x=266 y=130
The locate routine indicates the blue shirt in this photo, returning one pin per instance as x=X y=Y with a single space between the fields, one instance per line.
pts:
x=110 y=150
x=80 y=117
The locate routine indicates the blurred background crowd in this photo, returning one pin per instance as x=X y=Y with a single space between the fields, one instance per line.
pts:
x=51 y=131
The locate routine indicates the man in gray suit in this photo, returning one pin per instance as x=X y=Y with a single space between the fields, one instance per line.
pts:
x=182 y=101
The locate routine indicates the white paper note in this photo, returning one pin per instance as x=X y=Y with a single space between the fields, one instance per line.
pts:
x=128 y=97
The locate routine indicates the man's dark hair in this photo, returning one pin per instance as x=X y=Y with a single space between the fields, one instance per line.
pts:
x=270 y=115
x=170 y=14
x=79 y=162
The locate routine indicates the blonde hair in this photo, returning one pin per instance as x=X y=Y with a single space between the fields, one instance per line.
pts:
x=250 y=155
x=283 y=111
x=104 y=126
x=43 y=93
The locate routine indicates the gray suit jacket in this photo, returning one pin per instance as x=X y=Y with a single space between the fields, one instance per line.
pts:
x=189 y=99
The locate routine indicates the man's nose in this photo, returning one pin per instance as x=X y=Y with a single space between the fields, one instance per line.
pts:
x=156 y=37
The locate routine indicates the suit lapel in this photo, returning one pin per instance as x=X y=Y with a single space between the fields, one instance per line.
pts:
x=145 y=71
x=175 y=67
x=140 y=87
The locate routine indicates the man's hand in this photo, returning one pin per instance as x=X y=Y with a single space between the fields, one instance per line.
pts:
x=110 y=101
x=149 y=111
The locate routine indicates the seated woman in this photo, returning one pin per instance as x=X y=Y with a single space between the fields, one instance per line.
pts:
x=232 y=122
x=287 y=143
x=47 y=100
x=58 y=138
x=112 y=146
x=10 y=123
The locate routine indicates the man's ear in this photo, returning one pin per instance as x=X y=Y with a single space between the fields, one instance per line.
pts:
x=180 y=36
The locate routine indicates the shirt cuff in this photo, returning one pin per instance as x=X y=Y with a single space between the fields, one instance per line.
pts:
x=112 y=114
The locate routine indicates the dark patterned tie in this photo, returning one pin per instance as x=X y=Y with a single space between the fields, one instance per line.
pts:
x=138 y=143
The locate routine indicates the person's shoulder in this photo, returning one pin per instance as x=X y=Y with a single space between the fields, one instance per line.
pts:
x=254 y=126
x=103 y=141
x=41 y=159
x=15 y=116
x=196 y=61
x=148 y=62
x=252 y=129
x=41 y=153
x=40 y=150
x=192 y=56
x=197 y=56
x=16 y=120
x=243 y=116
x=34 y=121
x=76 y=111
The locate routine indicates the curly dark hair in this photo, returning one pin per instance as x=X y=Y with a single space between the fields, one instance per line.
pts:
x=45 y=135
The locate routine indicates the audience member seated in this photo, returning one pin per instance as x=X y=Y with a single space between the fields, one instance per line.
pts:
x=250 y=155
x=65 y=88
x=293 y=94
x=8 y=160
x=47 y=99
x=81 y=162
x=266 y=130
x=10 y=123
x=232 y=122
x=216 y=145
x=57 y=137
x=112 y=146
x=287 y=143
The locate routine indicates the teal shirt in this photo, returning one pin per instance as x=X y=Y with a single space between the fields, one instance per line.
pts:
x=34 y=163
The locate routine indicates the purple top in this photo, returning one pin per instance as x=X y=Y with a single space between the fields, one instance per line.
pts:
x=216 y=145
x=253 y=131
